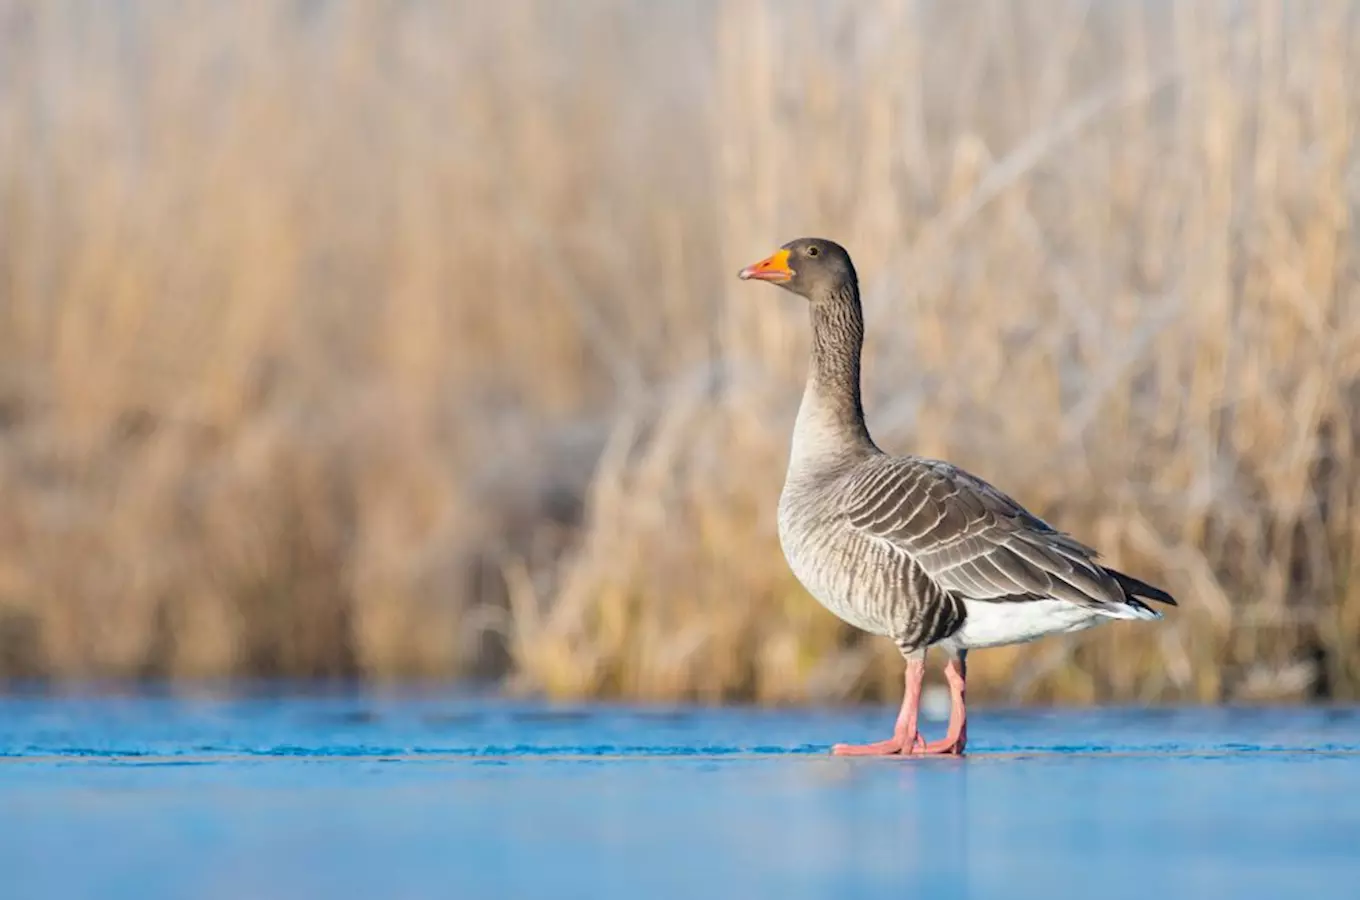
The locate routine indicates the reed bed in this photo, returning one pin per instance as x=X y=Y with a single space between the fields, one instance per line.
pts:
x=354 y=340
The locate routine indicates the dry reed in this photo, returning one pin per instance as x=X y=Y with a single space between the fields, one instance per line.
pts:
x=348 y=339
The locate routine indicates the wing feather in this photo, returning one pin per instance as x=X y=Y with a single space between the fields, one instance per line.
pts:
x=971 y=539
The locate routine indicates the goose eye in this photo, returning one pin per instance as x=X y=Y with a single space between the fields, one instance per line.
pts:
x=813 y=251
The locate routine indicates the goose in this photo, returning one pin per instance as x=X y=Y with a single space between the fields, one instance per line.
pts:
x=910 y=548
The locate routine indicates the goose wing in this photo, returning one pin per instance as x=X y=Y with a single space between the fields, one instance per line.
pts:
x=976 y=542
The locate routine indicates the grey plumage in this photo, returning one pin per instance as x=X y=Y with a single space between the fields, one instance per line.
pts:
x=916 y=549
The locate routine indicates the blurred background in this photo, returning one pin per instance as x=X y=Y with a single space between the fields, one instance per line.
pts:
x=401 y=341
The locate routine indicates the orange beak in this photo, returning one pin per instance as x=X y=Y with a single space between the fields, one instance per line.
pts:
x=774 y=268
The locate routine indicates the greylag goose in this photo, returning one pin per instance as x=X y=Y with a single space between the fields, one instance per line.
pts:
x=909 y=548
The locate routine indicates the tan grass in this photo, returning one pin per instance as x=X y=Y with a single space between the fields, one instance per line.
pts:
x=352 y=340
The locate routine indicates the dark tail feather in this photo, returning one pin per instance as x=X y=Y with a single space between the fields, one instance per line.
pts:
x=1135 y=588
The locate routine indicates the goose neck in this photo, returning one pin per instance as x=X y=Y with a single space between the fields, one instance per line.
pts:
x=831 y=418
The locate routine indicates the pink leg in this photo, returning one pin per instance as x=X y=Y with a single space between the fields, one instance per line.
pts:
x=906 y=739
x=957 y=737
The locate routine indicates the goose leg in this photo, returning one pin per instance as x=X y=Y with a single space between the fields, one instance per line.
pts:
x=906 y=739
x=956 y=737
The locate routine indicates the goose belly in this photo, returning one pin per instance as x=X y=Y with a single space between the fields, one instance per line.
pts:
x=843 y=603
x=860 y=595
x=990 y=624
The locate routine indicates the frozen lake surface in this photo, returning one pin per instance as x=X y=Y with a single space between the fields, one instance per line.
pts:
x=391 y=795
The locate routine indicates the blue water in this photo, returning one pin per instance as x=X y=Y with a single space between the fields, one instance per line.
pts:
x=392 y=796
